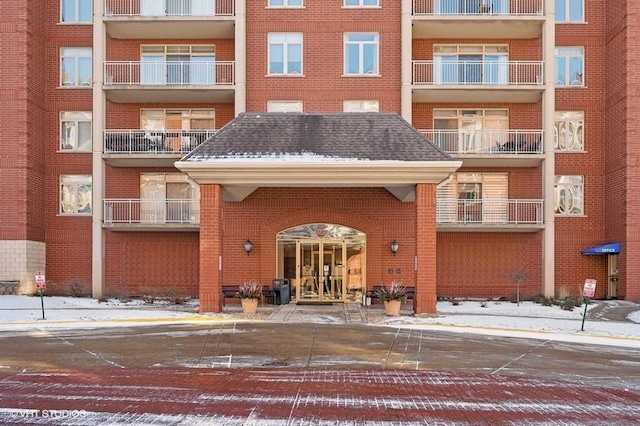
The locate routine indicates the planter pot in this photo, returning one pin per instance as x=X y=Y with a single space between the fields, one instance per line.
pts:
x=392 y=307
x=249 y=306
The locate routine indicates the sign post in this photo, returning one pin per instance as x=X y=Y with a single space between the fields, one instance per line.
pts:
x=41 y=285
x=588 y=291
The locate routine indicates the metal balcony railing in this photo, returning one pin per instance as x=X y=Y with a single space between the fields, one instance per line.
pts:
x=478 y=7
x=162 y=211
x=169 y=73
x=154 y=141
x=489 y=211
x=173 y=8
x=487 y=141
x=485 y=73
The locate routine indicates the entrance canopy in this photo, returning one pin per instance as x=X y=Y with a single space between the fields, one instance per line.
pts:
x=317 y=150
x=610 y=248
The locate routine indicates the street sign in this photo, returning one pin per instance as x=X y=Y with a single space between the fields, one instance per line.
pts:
x=40 y=281
x=589 y=289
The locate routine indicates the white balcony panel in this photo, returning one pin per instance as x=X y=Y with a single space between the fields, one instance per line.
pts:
x=150 y=148
x=444 y=80
x=152 y=214
x=489 y=215
x=157 y=81
x=491 y=147
x=478 y=18
x=176 y=19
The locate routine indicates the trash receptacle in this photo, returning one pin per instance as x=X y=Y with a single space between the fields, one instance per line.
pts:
x=282 y=291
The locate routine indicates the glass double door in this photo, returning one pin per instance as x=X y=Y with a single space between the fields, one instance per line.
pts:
x=320 y=270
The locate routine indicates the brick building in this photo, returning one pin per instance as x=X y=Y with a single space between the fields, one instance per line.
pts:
x=530 y=103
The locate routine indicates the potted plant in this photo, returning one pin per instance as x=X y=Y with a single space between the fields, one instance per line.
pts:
x=393 y=295
x=250 y=293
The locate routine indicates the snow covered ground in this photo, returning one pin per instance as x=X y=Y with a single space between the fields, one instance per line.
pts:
x=498 y=318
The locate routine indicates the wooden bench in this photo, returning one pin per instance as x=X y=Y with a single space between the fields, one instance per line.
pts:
x=231 y=292
x=373 y=293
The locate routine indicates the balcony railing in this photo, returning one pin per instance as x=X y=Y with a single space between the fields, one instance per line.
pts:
x=475 y=7
x=168 y=73
x=489 y=211
x=154 y=141
x=150 y=212
x=484 y=73
x=154 y=8
x=487 y=141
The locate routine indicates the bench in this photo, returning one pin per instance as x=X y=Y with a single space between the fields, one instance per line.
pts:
x=231 y=291
x=373 y=293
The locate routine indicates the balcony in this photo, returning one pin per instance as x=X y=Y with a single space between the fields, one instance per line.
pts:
x=180 y=81
x=490 y=147
x=150 y=148
x=444 y=80
x=152 y=215
x=487 y=215
x=478 y=18
x=175 y=19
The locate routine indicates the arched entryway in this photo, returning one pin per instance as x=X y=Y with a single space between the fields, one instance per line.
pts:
x=324 y=262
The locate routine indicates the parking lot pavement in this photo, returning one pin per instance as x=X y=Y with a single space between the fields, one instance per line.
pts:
x=279 y=396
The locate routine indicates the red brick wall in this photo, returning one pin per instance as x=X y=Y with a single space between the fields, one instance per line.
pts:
x=140 y=263
x=323 y=89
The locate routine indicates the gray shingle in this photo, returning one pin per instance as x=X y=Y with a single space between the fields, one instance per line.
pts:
x=362 y=136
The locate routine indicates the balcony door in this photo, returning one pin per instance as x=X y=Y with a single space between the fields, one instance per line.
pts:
x=168 y=198
x=470 y=131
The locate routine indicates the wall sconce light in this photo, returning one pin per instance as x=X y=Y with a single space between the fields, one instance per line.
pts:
x=394 y=246
x=248 y=246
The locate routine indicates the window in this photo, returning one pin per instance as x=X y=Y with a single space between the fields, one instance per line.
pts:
x=569 y=11
x=470 y=7
x=75 y=194
x=361 y=3
x=75 y=67
x=569 y=66
x=361 y=54
x=569 y=131
x=470 y=64
x=569 y=195
x=285 y=54
x=473 y=198
x=360 y=106
x=75 y=131
x=471 y=130
x=76 y=11
x=181 y=130
x=177 y=7
x=285 y=3
x=284 y=106
x=168 y=198
x=179 y=65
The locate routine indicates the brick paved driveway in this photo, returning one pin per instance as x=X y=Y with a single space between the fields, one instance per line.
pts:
x=278 y=396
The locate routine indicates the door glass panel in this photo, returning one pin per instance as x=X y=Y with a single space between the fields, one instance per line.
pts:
x=309 y=288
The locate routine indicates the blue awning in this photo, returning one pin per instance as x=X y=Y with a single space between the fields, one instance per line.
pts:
x=610 y=248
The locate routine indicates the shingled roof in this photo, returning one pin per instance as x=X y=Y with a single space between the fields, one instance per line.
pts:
x=317 y=137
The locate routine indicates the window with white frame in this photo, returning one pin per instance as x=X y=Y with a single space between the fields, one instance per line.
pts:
x=471 y=130
x=285 y=53
x=285 y=3
x=569 y=11
x=75 y=67
x=177 y=7
x=569 y=195
x=569 y=131
x=76 y=11
x=75 y=131
x=168 y=198
x=569 y=66
x=178 y=130
x=361 y=54
x=360 y=106
x=473 y=197
x=178 y=64
x=471 y=64
x=361 y=3
x=75 y=194
x=284 y=106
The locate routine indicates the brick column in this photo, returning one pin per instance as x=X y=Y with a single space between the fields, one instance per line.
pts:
x=210 y=248
x=426 y=296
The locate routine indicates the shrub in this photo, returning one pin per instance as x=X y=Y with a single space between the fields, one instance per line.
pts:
x=76 y=287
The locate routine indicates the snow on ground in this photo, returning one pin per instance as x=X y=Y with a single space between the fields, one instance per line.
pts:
x=498 y=318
